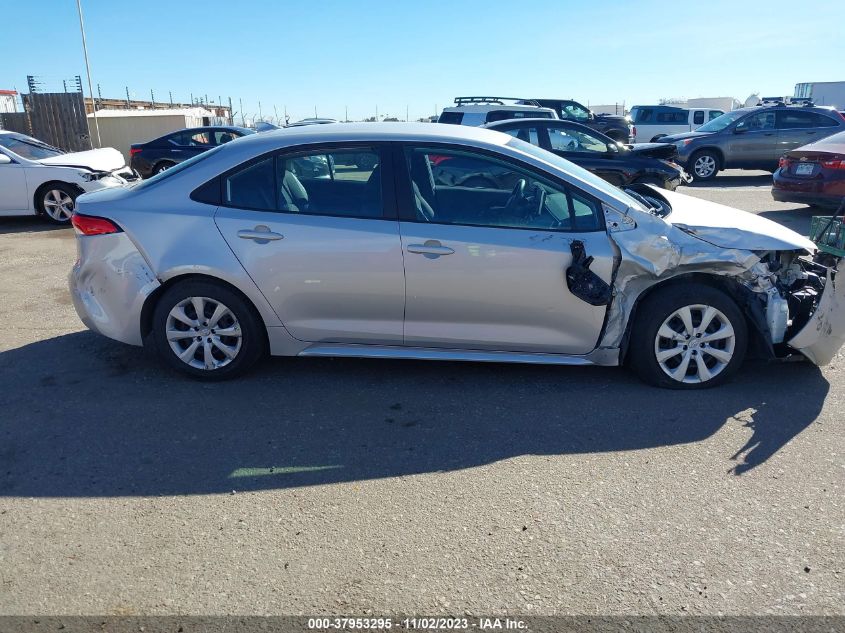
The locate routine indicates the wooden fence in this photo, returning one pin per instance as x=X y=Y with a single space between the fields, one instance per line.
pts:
x=58 y=118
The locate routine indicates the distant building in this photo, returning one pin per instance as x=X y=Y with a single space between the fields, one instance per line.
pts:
x=823 y=93
x=8 y=101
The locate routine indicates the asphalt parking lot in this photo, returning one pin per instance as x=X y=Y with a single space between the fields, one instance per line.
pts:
x=361 y=486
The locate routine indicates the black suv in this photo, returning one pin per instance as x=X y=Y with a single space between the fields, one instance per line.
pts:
x=164 y=152
x=619 y=128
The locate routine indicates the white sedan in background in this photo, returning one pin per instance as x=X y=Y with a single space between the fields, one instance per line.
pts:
x=37 y=179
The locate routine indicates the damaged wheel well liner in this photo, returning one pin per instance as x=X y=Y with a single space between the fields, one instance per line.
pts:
x=746 y=300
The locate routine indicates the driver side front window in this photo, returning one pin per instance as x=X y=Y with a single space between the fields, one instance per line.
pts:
x=460 y=187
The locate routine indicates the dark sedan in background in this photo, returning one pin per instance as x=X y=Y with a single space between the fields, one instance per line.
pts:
x=813 y=174
x=161 y=153
x=620 y=165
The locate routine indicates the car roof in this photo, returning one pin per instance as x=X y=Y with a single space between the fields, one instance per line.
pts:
x=373 y=132
x=495 y=107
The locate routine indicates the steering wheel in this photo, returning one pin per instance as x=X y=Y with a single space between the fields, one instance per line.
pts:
x=517 y=194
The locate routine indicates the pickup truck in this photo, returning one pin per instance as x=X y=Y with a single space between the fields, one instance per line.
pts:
x=652 y=123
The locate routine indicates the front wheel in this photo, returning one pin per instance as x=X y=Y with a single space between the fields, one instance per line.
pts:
x=207 y=330
x=688 y=337
x=704 y=165
x=56 y=202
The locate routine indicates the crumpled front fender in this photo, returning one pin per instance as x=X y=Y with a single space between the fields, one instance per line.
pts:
x=824 y=334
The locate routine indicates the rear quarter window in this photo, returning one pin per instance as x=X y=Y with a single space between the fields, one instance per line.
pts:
x=453 y=118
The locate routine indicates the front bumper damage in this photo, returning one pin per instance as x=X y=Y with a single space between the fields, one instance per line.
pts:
x=795 y=304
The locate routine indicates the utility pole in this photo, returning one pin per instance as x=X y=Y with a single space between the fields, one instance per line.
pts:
x=315 y=112
x=406 y=114
x=170 y=93
x=260 y=116
x=64 y=84
x=231 y=114
x=346 y=114
x=152 y=99
x=241 y=101
x=127 y=98
x=88 y=71
x=276 y=112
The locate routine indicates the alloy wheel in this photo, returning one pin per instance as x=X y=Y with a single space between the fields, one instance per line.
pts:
x=695 y=344
x=203 y=333
x=59 y=205
x=704 y=166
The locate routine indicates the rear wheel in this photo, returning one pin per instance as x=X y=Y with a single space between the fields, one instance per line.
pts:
x=688 y=337
x=704 y=165
x=207 y=330
x=57 y=202
x=162 y=166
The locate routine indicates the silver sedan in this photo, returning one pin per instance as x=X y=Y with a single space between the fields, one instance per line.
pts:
x=431 y=241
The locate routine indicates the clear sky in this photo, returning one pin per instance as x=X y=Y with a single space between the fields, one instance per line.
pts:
x=363 y=54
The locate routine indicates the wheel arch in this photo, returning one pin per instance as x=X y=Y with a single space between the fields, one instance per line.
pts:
x=39 y=191
x=746 y=300
x=720 y=155
x=153 y=298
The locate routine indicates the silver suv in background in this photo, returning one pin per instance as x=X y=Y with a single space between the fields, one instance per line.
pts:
x=478 y=111
x=753 y=138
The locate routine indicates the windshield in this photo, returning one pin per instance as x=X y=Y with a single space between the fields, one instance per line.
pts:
x=579 y=172
x=27 y=147
x=167 y=173
x=720 y=122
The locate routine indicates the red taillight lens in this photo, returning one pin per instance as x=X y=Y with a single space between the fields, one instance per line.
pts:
x=134 y=150
x=833 y=164
x=90 y=225
x=783 y=163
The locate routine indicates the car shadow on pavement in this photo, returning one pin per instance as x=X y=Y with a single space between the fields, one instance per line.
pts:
x=29 y=224
x=746 y=180
x=84 y=416
x=797 y=219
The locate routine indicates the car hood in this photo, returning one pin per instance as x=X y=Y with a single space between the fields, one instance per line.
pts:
x=680 y=137
x=104 y=159
x=666 y=151
x=727 y=227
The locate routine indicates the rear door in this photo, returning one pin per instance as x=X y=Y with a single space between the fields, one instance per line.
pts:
x=318 y=235
x=485 y=266
x=799 y=127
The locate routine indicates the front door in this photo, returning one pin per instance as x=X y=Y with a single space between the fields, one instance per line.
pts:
x=14 y=195
x=753 y=142
x=313 y=232
x=485 y=265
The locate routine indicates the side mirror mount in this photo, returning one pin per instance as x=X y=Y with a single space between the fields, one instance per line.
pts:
x=4 y=160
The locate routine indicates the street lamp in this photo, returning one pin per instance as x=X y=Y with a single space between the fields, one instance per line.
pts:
x=88 y=71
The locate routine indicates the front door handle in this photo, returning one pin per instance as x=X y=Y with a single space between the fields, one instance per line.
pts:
x=260 y=234
x=431 y=249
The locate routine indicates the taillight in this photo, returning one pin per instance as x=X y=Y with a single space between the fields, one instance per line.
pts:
x=134 y=150
x=634 y=131
x=783 y=163
x=833 y=164
x=91 y=225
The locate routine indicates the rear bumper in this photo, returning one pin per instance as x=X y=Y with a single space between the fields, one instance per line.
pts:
x=786 y=188
x=109 y=284
x=822 y=338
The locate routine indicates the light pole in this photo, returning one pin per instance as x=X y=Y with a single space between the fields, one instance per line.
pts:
x=88 y=71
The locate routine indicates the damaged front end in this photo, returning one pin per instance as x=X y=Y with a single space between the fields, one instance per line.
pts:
x=794 y=298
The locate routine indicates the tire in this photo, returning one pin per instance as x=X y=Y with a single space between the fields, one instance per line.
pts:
x=706 y=162
x=162 y=166
x=56 y=202
x=663 y=312
x=245 y=345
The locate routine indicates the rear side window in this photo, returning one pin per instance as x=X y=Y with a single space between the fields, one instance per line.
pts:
x=822 y=120
x=698 y=117
x=643 y=115
x=454 y=118
x=527 y=134
x=251 y=187
x=670 y=116
x=792 y=120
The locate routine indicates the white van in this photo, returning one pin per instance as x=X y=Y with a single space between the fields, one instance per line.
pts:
x=651 y=123
x=481 y=110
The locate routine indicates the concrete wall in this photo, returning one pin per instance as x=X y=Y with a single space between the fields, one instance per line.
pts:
x=121 y=131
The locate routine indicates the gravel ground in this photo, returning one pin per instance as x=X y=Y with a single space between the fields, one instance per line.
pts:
x=351 y=486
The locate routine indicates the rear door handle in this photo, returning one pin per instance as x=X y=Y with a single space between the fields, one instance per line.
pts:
x=431 y=249
x=260 y=233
